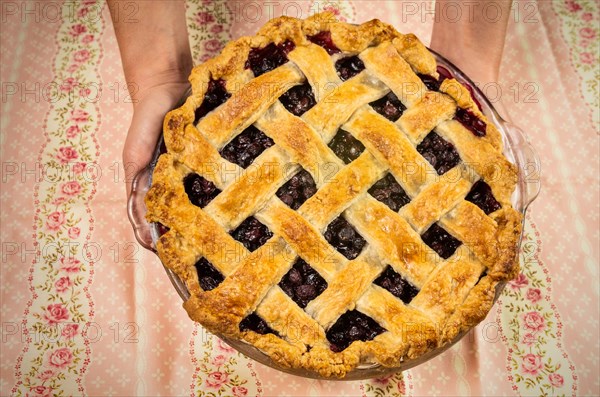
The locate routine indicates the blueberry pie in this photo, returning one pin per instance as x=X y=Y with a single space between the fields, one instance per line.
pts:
x=333 y=198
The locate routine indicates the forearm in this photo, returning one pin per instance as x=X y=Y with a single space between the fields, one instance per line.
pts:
x=475 y=40
x=153 y=43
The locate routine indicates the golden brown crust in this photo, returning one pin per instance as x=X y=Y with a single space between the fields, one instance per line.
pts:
x=455 y=294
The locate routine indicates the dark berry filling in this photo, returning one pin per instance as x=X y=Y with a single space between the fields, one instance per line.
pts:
x=344 y=237
x=246 y=147
x=297 y=190
x=444 y=73
x=346 y=147
x=396 y=285
x=440 y=241
x=440 y=153
x=298 y=99
x=324 y=40
x=200 y=191
x=471 y=122
x=254 y=323
x=162 y=229
x=262 y=60
x=216 y=94
x=252 y=233
x=389 y=192
x=351 y=326
x=349 y=67
x=302 y=283
x=481 y=195
x=389 y=107
x=430 y=82
x=208 y=276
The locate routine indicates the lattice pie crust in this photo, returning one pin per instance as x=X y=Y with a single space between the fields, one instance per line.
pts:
x=246 y=297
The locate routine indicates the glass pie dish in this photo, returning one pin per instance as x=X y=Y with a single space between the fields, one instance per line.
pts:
x=516 y=148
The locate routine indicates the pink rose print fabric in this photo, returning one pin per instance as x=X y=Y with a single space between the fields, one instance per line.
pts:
x=87 y=311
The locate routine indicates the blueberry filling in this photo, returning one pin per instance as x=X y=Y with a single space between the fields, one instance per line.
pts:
x=346 y=147
x=430 y=82
x=471 y=122
x=298 y=99
x=302 y=283
x=389 y=192
x=262 y=60
x=343 y=237
x=254 y=322
x=208 y=276
x=440 y=241
x=216 y=94
x=389 y=107
x=396 y=285
x=251 y=233
x=481 y=195
x=434 y=84
x=200 y=191
x=349 y=67
x=297 y=190
x=324 y=40
x=352 y=326
x=440 y=153
x=162 y=229
x=444 y=73
x=246 y=147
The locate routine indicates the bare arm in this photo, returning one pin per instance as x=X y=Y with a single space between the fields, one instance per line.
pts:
x=157 y=61
x=474 y=41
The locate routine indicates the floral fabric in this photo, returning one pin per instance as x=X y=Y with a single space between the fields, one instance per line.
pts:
x=87 y=311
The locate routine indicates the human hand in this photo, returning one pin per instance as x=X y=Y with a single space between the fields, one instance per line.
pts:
x=150 y=107
x=157 y=61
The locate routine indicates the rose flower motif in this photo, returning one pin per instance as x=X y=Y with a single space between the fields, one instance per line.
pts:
x=74 y=232
x=70 y=265
x=531 y=364
x=61 y=358
x=70 y=330
x=587 y=58
x=79 y=116
x=224 y=347
x=534 y=295
x=78 y=29
x=219 y=360
x=63 y=284
x=55 y=220
x=534 y=321
x=73 y=131
x=56 y=313
x=71 y=188
x=66 y=154
x=529 y=339
x=39 y=391
x=216 y=379
x=587 y=33
x=519 y=282
x=556 y=380
x=47 y=374
x=239 y=391
x=81 y=56
x=78 y=168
